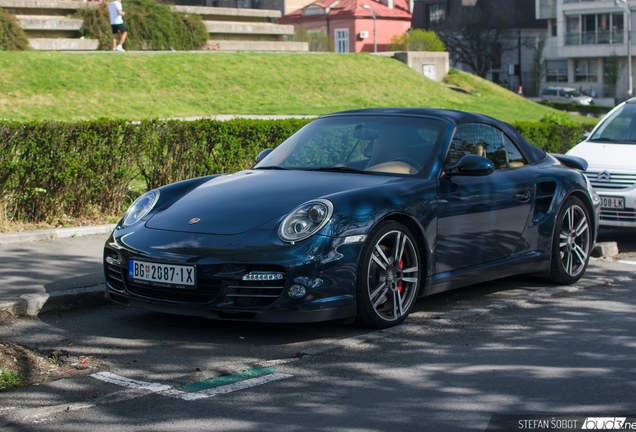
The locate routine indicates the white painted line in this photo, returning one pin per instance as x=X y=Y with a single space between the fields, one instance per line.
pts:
x=627 y=262
x=166 y=390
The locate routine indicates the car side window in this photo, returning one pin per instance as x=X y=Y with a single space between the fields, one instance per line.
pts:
x=487 y=141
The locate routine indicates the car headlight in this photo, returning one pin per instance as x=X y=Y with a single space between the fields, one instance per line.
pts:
x=140 y=207
x=305 y=220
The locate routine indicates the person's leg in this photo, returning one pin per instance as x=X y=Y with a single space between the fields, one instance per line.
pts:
x=114 y=41
x=123 y=38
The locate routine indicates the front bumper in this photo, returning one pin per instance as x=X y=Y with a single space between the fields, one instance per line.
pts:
x=616 y=217
x=324 y=266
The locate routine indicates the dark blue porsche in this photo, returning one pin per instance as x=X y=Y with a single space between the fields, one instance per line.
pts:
x=355 y=216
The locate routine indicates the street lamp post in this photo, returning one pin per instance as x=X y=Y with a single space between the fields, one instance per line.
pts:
x=630 y=90
x=367 y=7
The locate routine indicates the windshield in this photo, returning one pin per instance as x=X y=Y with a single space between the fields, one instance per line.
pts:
x=573 y=93
x=367 y=144
x=620 y=126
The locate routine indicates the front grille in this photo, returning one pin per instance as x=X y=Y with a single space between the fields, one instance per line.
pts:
x=210 y=282
x=255 y=293
x=616 y=181
x=114 y=277
x=205 y=292
x=626 y=215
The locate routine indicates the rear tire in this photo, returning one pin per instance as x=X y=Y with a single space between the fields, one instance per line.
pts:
x=388 y=276
x=571 y=243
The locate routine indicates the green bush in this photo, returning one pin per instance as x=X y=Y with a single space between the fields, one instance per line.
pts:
x=12 y=37
x=595 y=110
x=48 y=170
x=552 y=137
x=54 y=169
x=416 y=40
x=151 y=25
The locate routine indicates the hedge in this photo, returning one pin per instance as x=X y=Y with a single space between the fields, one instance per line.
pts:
x=48 y=170
x=595 y=110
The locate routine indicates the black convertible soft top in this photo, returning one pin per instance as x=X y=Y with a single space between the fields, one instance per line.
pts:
x=532 y=153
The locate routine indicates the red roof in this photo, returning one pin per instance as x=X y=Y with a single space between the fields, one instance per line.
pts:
x=349 y=8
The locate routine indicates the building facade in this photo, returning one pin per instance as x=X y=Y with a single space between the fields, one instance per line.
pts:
x=510 y=61
x=352 y=25
x=587 y=45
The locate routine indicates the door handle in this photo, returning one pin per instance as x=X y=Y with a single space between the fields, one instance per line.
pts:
x=523 y=196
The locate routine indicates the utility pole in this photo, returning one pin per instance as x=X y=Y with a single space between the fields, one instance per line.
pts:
x=367 y=7
x=630 y=89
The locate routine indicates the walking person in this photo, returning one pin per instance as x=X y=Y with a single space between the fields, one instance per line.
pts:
x=117 y=24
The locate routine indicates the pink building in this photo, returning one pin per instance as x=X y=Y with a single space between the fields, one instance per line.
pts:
x=350 y=23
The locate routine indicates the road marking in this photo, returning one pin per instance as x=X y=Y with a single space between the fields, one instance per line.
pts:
x=230 y=379
x=244 y=381
x=627 y=262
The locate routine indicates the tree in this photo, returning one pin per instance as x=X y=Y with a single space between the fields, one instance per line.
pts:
x=539 y=63
x=479 y=35
x=416 y=40
x=612 y=71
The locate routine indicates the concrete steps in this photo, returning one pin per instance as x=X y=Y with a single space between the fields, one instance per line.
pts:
x=48 y=26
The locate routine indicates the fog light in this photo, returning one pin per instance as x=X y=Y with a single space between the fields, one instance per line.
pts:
x=297 y=291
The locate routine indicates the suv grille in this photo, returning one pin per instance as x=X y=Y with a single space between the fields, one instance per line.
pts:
x=626 y=215
x=616 y=181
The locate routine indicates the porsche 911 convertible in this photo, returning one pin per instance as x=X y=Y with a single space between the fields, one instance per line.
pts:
x=354 y=217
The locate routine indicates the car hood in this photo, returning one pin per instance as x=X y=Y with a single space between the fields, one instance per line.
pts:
x=611 y=157
x=239 y=202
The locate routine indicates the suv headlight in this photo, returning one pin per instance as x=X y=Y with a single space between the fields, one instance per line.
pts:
x=305 y=220
x=140 y=208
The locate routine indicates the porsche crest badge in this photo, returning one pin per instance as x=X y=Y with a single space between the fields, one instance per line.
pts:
x=193 y=221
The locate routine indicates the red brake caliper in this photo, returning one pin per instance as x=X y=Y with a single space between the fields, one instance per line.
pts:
x=399 y=284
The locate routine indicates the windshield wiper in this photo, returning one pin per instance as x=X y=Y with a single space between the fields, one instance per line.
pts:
x=271 y=167
x=338 y=169
x=604 y=139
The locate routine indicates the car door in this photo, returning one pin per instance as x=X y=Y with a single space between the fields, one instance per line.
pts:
x=482 y=218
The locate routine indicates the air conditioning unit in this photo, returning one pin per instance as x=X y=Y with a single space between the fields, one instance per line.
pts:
x=364 y=34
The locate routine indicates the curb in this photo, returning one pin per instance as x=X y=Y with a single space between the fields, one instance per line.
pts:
x=30 y=236
x=30 y=305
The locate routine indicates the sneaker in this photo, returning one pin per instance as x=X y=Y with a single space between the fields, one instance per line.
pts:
x=114 y=49
x=120 y=48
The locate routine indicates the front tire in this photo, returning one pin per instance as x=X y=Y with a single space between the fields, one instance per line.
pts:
x=571 y=243
x=388 y=276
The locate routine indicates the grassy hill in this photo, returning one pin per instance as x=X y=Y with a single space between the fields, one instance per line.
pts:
x=72 y=86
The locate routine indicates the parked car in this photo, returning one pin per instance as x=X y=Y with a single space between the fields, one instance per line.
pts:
x=610 y=150
x=565 y=94
x=355 y=216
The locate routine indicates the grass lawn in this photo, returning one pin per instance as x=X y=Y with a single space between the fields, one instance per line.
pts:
x=68 y=87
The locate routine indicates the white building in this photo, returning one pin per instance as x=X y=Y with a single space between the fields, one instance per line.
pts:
x=582 y=36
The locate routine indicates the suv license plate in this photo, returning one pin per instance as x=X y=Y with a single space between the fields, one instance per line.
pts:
x=175 y=276
x=612 y=202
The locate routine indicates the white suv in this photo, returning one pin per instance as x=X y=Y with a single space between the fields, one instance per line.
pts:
x=610 y=151
x=565 y=94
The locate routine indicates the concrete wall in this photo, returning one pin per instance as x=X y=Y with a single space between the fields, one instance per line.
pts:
x=416 y=60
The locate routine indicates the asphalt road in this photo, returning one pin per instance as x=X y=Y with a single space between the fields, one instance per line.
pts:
x=515 y=346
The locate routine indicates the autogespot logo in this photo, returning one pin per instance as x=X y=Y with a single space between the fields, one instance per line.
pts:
x=607 y=423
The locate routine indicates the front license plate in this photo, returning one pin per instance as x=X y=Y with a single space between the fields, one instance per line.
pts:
x=612 y=202
x=175 y=276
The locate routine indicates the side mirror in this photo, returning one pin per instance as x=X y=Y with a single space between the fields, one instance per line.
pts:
x=470 y=165
x=263 y=154
x=586 y=135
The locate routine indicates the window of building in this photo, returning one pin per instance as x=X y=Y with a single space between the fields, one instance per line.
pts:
x=436 y=14
x=592 y=29
x=341 y=40
x=243 y=4
x=586 y=70
x=557 y=71
x=553 y=27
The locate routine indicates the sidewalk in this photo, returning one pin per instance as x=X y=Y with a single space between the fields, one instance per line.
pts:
x=39 y=274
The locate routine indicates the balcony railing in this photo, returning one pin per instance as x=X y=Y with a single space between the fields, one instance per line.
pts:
x=547 y=9
x=593 y=38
